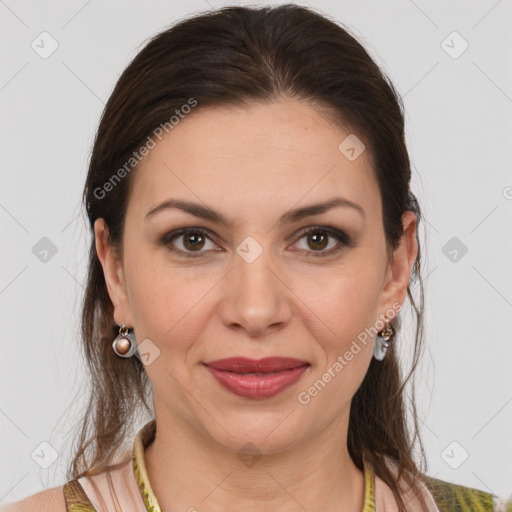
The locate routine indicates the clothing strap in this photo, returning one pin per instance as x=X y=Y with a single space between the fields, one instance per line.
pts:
x=75 y=497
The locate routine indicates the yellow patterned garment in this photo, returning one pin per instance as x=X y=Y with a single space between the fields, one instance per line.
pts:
x=448 y=497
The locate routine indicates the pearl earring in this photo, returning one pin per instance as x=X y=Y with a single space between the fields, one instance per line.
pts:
x=124 y=345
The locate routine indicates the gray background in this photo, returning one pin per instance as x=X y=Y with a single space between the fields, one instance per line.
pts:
x=458 y=117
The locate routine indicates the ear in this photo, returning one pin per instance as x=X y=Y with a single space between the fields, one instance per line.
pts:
x=114 y=275
x=399 y=270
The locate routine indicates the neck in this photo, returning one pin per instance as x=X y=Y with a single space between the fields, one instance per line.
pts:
x=189 y=470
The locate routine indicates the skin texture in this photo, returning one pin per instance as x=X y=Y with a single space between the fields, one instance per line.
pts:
x=252 y=165
x=49 y=500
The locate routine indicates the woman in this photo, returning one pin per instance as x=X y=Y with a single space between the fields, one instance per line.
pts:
x=254 y=240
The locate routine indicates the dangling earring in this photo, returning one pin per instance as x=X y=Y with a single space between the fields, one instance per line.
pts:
x=381 y=342
x=124 y=345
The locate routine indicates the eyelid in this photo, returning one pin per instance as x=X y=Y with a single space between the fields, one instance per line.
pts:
x=334 y=232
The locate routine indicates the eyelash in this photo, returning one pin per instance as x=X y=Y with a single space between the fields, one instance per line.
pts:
x=343 y=239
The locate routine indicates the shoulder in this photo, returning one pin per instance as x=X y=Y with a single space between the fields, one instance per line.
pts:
x=453 y=497
x=44 y=501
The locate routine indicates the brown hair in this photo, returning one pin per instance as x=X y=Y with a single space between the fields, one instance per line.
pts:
x=236 y=56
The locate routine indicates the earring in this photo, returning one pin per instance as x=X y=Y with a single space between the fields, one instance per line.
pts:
x=381 y=342
x=124 y=345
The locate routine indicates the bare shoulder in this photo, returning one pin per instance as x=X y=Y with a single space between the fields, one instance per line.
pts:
x=43 y=501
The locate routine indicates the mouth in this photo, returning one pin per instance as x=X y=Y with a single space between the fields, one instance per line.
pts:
x=257 y=379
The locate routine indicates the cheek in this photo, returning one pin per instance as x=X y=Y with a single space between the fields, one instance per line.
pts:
x=345 y=302
x=348 y=306
x=168 y=303
x=345 y=350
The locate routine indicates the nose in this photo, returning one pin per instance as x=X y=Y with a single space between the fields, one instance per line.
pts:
x=256 y=298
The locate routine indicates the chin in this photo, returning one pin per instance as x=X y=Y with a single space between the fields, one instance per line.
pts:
x=265 y=437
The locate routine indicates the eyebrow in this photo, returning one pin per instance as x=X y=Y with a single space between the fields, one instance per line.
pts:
x=204 y=212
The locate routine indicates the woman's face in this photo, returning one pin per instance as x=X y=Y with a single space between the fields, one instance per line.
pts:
x=256 y=285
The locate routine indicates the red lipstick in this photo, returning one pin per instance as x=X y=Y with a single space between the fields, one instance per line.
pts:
x=257 y=379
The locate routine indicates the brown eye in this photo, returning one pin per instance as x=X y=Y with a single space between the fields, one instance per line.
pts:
x=188 y=241
x=318 y=240
x=193 y=241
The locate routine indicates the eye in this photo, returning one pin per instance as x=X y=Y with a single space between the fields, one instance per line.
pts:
x=317 y=239
x=192 y=241
x=187 y=241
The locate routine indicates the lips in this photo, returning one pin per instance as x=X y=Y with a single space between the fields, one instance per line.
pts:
x=257 y=379
x=266 y=365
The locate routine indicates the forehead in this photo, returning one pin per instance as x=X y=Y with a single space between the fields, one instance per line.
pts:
x=260 y=158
